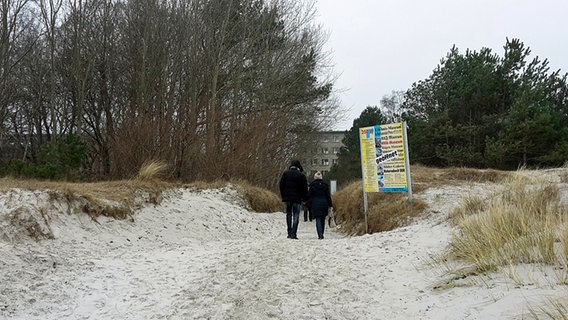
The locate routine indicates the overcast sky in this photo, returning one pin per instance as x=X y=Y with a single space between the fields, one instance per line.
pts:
x=378 y=46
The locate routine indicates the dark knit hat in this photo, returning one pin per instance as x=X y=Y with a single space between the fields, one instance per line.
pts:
x=296 y=163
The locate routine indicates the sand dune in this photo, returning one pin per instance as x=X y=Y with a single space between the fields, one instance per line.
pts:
x=202 y=255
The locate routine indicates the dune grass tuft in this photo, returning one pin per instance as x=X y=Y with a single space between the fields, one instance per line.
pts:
x=519 y=225
x=152 y=170
x=553 y=309
x=469 y=205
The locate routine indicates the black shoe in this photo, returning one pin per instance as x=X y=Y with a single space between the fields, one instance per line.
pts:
x=321 y=238
x=289 y=237
x=294 y=237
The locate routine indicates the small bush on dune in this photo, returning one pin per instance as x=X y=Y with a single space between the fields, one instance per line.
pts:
x=260 y=199
x=386 y=211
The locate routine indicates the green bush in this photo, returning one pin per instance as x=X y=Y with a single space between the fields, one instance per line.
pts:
x=57 y=160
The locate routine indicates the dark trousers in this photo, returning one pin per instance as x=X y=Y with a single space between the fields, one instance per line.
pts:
x=292 y=218
x=320 y=226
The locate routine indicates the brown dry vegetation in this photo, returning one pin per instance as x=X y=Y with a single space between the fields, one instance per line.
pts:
x=525 y=223
x=260 y=199
x=387 y=211
x=522 y=224
x=423 y=177
x=118 y=199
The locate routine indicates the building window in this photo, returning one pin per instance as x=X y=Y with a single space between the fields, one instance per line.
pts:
x=314 y=162
x=335 y=150
x=325 y=150
x=325 y=162
x=334 y=161
x=325 y=139
x=335 y=138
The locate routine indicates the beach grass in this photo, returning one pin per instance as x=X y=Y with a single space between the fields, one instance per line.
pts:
x=523 y=223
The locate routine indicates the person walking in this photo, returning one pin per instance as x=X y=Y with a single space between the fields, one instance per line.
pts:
x=320 y=198
x=293 y=190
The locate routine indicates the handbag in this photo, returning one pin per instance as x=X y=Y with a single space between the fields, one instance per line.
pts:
x=331 y=219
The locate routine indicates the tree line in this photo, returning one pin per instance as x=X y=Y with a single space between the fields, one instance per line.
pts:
x=215 y=88
x=476 y=109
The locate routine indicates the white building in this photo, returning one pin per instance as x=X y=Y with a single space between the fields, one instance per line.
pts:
x=323 y=155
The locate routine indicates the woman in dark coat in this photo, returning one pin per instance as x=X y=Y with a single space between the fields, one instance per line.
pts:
x=320 y=201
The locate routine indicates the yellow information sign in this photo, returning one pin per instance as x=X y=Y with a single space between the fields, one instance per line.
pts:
x=383 y=158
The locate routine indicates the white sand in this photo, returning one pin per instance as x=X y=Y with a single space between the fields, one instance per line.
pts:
x=204 y=256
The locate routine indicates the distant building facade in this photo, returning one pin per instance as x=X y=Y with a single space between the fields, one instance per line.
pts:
x=323 y=155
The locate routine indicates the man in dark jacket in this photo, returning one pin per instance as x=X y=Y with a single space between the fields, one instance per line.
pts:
x=293 y=190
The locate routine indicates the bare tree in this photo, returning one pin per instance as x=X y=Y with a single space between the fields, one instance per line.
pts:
x=391 y=106
x=217 y=88
x=50 y=18
x=16 y=21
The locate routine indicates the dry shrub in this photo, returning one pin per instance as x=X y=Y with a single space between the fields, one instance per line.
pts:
x=260 y=199
x=517 y=226
x=387 y=211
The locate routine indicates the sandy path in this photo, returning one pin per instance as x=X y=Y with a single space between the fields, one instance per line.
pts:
x=202 y=256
